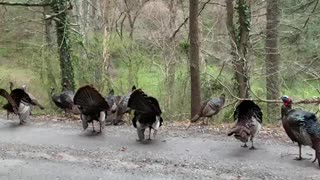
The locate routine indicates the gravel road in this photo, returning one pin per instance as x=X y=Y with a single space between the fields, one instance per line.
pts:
x=59 y=150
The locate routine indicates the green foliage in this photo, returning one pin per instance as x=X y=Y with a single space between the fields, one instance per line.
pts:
x=140 y=62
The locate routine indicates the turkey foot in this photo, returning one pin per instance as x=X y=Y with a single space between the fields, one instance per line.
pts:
x=245 y=145
x=22 y=122
x=299 y=158
x=205 y=122
x=252 y=147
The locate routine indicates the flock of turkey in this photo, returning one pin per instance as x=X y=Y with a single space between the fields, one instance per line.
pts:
x=301 y=127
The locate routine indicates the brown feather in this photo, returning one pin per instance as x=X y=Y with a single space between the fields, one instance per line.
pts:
x=6 y=95
x=90 y=100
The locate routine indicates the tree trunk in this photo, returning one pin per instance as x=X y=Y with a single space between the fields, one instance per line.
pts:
x=239 y=44
x=194 y=57
x=170 y=56
x=272 y=55
x=106 y=55
x=47 y=26
x=230 y=27
x=64 y=45
x=241 y=64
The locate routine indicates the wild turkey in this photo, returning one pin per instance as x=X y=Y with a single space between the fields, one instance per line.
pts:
x=248 y=118
x=147 y=113
x=209 y=108
x=24 y=87
x=64 y=100
x=122 y=107
x=113 y=102
x=11 y=86
x=301 y=127
x=33 y=99
x=21 y=105
x=92 y=106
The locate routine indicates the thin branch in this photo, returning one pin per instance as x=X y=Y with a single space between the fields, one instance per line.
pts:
x=43 y=3
x=314 y=8
x=186 y=20
x=303 y=101
x=214 y=3
x=59 y=13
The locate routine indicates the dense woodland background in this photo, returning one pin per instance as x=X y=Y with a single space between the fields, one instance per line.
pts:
x=120 y=43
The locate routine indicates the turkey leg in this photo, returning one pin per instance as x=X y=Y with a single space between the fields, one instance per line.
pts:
x=149 y=134
x=252 y=147
x=93 y=127
x=300 y=157
x=140 y=132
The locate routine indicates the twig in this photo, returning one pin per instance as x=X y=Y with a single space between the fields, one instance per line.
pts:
x=314 y=8
x=186 y=20
x=59 y=13
x=303 y=101
x=43 y=3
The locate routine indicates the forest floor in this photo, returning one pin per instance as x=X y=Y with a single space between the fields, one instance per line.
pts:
x=47 y=148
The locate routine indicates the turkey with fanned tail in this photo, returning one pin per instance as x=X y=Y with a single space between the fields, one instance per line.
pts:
x=147 y=113
x=301 y=127
x=248 y=118
x=21 y=104
x=92 y=106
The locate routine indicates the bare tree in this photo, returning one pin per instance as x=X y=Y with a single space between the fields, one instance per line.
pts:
x=60 y=8
x=239 y=44
x=272 y=54
x=169 y=53
x=132 y=10
x=194 y=57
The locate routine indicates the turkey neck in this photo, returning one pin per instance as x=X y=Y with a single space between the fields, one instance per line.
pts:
x=285 y=109
x=52 y=92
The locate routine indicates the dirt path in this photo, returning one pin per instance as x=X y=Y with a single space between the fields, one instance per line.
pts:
x=47 y=150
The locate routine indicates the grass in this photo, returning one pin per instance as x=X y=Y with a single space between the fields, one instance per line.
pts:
x=151 y=80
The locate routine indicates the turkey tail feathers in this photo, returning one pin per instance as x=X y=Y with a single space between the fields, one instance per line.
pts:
x=20 y=95
x=247 y=109
x=140 y=102
x=6 y=95
x=89 y=98
x=238 y=130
